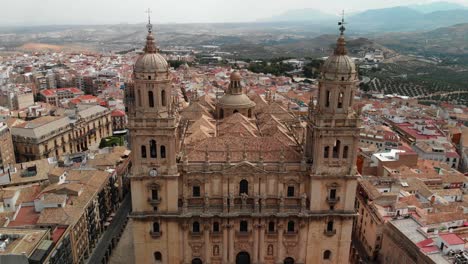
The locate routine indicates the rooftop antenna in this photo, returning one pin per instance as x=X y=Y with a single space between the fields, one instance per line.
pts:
x=149 y=26
x=342 y=23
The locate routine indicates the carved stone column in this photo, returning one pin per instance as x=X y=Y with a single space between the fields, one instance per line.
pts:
x=225 y=243
x=261 y=251
x=206 y=234
x=232 y=257
x=256 y=244
x=280 y=256
x=188 y=250
x=302 y=245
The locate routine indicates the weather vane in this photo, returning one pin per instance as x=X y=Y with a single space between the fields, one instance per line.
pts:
x=149 y=26
x=342 y=23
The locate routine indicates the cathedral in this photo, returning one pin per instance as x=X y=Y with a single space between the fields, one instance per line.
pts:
x=239 y=180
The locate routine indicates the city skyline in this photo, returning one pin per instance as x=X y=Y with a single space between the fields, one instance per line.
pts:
x=55 y=12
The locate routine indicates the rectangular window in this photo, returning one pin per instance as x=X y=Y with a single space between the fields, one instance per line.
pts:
x=290 y=191
x=333 y=194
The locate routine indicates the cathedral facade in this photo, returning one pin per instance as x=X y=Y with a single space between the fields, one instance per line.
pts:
x=241 y=180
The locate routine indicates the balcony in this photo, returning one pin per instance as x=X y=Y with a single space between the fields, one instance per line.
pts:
x=196 y=234
x=333 y=201
x=291 y=233
x=243 y=233
x=329 y=232
x=155 y=234
x=154 y=201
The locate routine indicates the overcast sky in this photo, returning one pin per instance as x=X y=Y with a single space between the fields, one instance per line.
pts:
x=40 y=12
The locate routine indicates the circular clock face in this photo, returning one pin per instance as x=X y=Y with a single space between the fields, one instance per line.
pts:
x=153 y=173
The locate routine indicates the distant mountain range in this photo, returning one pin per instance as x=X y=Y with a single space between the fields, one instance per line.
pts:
x=394 y=19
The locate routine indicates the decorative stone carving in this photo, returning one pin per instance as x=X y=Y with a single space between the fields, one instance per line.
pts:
x=196 y=248
x=243 y=246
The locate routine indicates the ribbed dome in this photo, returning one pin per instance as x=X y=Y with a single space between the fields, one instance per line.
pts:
x=236 y=100
x=151 y=63
x=339 y=65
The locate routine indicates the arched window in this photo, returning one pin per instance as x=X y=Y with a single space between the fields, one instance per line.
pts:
x=336 y=149
x=271 y=227
x=139 y=98
x=291 y=226
x=195 y=191
x=327 y=99
x=151 y=99
x=330 y=226
x=345 y=152
x=340 y=100
x=215 y=227
x=244 y=227
x=154 y=194
x=153 y=153
x=326 y=152
x=243 y=187
x=235 y=111
x=249 y=113
x=143 y=151
x=327 y=254
x=288 y=260
x=158 y=256
x=221 y=113
x=196 y=227
x=163 y=151
x=156 y=227
x=351 y=96
x=163 y=98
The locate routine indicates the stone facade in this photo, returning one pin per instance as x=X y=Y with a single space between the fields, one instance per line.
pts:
x=246 y=191
x=54 y=136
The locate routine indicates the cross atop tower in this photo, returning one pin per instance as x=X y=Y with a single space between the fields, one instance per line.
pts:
x=149 y=26
x=342 y=23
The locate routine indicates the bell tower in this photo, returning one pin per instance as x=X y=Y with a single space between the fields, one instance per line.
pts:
x=334 y=125
x=332 y=139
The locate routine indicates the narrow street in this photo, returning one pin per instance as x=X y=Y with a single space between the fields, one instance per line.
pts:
x=110 y=238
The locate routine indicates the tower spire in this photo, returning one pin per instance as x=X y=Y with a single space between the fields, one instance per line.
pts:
x=150 y=47
x=149 y=26
x=341 y=43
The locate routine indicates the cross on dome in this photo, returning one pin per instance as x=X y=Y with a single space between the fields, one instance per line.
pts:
x=149 y=26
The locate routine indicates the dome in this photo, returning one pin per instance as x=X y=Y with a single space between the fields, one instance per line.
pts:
x=339 y=65
x=236 y=101
x=151 y=63
x=235 y=76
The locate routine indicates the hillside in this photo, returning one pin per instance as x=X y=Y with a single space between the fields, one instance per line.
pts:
x=451 y=40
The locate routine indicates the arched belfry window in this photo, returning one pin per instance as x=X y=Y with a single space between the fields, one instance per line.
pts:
x=153 y=153
x=327 y=99
x=326 y=151
x=345 y=152
x=163 y=98
x=143 y=151
x=243 y=187
x=163 y=151
x=336 y=149
x=340 y=100
x=151 y=99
